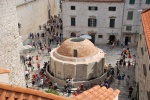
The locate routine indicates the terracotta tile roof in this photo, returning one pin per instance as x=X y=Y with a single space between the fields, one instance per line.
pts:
x=9 y=92
x=97 y=93
x=146 y=26
x=97 y=0
x=4 y=71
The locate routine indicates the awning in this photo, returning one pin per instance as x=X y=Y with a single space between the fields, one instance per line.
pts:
x=86 y=36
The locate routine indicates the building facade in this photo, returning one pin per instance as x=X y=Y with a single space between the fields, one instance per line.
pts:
x=105 y=21
x=143 y=58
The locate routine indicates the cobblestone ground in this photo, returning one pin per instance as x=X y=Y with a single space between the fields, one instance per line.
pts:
x=112 y=56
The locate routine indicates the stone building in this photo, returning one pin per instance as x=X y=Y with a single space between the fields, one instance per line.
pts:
x=33 y=13
x=143 y=58
x=76 y=58
x=10 y=42
x=104 y=20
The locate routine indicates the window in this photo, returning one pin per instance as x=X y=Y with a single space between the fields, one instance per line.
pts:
x=73 y=8
x=142 y=51
x=100 y=36
x=144 y=70
x=75 y=53
x=112 y=23
x=147 y=1
x=93 y=8
x=73 y=21
x=131 y=1
x=128 y=28
x=112 y=9
x=92 y=22
x=130 y=15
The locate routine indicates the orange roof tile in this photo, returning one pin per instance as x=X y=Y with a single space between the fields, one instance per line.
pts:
x=97 y=0
x=4 y=71
x=146 y=26
x=97 y=93
x=10 y=92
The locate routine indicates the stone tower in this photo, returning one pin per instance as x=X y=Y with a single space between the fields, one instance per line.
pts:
x=10 y=42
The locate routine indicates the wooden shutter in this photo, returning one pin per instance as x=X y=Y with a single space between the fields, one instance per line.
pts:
x=96 y=8
x=73 y=21
x=147 y=1
x=90 y=8
x=89 y=22
x=130 y=15
x=112 y=23
x=132 y=2
x=144 y=70
x=95 y=22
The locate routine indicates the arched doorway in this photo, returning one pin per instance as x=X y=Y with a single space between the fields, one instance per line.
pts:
x=73 y=34
x=111 y=39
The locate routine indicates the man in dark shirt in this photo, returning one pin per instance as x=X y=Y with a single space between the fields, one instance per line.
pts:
x=130 y=91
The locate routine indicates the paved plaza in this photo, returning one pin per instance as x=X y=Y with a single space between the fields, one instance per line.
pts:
x=112 y=56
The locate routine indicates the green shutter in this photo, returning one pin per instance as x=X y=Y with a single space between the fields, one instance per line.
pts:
x=89 y=22
x=128 y=28
x=112 y=23
x=132 y=2
x=94 y=22
x=147 y=1
x=73 y=22
x=130 y=15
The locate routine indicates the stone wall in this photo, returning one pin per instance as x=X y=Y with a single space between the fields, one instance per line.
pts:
x=32 y=13
x=143 y=59
x=10 y=42
x=78 y=83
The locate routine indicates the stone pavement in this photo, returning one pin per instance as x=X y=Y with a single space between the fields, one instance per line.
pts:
x=112 y=56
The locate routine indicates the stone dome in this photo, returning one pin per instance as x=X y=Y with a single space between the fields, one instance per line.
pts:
x=84 y=47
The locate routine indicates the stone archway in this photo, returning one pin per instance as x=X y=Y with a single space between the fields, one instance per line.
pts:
x=112 y=39
x=73 y=34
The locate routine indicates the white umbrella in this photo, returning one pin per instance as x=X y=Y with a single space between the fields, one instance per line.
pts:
x=26 y=47
x=86 y=36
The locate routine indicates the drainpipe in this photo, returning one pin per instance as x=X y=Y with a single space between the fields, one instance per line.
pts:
x=121 y=39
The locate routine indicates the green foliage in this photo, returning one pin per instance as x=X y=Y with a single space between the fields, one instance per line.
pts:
x=52 y=91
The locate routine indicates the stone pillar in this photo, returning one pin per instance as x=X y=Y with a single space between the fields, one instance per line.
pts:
x=10 y=42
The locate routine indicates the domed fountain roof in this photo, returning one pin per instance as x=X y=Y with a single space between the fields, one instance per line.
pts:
x=84 y=47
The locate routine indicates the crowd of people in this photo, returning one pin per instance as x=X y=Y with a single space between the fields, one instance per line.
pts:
x=53 y=35
x=41 y=41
